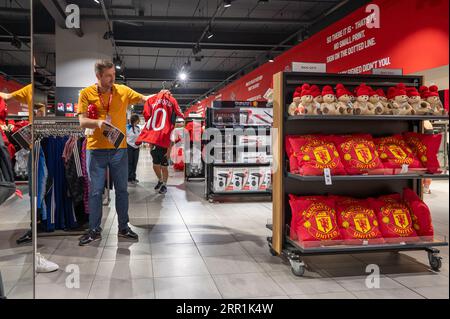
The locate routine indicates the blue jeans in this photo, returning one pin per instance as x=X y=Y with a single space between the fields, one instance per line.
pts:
x=97 y=162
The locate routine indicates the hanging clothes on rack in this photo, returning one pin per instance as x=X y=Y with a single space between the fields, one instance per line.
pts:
x=75 y=176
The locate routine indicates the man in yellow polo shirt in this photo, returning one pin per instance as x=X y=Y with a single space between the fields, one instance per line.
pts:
x=24 y=96
x=111 y=101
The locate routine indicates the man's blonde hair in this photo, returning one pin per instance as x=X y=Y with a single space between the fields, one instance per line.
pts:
x=102 y=65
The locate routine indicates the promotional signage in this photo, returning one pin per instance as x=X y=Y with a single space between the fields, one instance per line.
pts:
x=309 y=67
x=373 y=37
x=387 y=71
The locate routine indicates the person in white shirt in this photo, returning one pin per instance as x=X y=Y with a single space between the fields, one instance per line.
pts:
x=133 y=131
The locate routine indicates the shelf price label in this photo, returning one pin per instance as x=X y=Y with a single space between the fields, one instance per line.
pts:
x=327 y=174
x=405 y=169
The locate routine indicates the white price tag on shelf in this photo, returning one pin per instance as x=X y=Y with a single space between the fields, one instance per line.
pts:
x=327 y=174
x=402 y=243
x=405 y=169
x=365 y=242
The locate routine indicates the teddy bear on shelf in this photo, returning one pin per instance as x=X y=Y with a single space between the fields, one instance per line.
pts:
x=362 y=106
x=375 y=99
x=317 y=100
x=344 y=105
x=306 y=105
x=420 y=106
x=292 y=110
x=329 y=105
x=383 y=100
x=432 y=97
x=399 y=101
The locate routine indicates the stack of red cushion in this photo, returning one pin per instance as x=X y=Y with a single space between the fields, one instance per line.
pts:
x=360 y=154
x=335 y=220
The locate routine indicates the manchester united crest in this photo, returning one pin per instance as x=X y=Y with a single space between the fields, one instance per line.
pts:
x=322 y=155
x=363 y=153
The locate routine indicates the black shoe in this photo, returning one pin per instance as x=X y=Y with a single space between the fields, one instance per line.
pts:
x=163 y=189
x=158 y=186
x=26 y=238
x=90 y=237
x=128 y=233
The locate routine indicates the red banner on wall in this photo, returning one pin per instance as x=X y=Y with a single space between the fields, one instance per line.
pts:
x=413 y=36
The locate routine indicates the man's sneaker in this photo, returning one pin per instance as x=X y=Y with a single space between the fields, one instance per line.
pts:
x=26 y=238
x=89 y=237
x=158 y=186
x=45 y=266
x=163 y=189
x=128 y=233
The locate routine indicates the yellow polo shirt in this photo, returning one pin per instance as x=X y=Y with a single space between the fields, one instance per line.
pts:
x=122 y=97
x=25 y=96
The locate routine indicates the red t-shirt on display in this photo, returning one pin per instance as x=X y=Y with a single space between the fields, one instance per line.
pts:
x=158 y=112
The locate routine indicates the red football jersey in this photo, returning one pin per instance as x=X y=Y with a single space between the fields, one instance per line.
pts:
x=158 y=112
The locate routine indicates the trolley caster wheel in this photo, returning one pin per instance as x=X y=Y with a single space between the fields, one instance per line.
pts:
x=273 y=252
x=211 y=201
x=435 y=263
x=297 y=268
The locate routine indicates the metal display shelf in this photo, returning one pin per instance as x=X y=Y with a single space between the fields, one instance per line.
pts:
x=358 y=186
x=265 y=193
x=367 y=118
x=234 y=149
x=242 y=164
x=191 y=170
x=366 y=177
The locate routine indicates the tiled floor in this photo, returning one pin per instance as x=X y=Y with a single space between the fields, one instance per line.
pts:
x=190 y=248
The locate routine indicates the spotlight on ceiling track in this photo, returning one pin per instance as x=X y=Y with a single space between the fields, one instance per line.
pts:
x=227 y=3
x=117 y=62
x=182 y=76
x=209 y=34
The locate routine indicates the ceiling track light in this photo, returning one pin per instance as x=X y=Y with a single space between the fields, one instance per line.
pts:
x=209 y=34
x=117 y=62
x=97 y=1
x=270 y=57
x=108 y=35
x=227 y=3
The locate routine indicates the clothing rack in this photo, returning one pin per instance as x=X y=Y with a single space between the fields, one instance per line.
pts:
x=60 y=128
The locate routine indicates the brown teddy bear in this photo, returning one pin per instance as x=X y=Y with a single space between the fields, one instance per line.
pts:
x=383 y=100
x=329 y=105
x=306 y=105
x=344 y=97
x=318 y=99
x=420 y=106
x=362 y=106
x=399 y=101
x=375 y=99
x=292 y=110
x=432 y=97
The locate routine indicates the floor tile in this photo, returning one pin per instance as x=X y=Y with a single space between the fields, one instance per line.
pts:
x=123 y=289
x=440 y=292
x=124 y=270
x=241 y=264
x=60 y=291
x=302 y=285
x=190 y=287
x=331 y=295
x=179 y=267
x=401 y=293
x=358 y=283
x=420 y=280
x=174 y=250
x=221 y=249
x=134 y=252
x=247 y=286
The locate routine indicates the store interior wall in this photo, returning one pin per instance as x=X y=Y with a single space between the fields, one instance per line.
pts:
x=438 y=76
x=76 y=56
